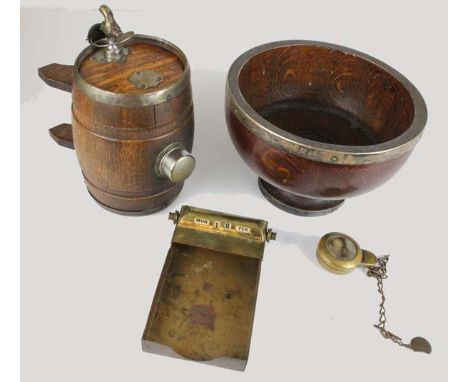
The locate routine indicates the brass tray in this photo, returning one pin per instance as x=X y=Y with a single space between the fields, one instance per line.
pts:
x=204 y=304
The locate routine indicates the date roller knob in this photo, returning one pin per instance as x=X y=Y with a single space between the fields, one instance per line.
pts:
x=175 y=164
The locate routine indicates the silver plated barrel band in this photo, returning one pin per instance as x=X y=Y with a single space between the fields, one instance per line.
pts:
x=319 y=151
x=134 y=100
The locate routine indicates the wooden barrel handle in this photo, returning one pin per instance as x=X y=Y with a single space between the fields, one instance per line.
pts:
x=58 y=76
x=62 y=134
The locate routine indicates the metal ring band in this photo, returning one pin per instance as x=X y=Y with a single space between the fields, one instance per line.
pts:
x=319 y=151
x=134 y=100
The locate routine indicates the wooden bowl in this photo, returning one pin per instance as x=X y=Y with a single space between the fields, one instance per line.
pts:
x=319 y=123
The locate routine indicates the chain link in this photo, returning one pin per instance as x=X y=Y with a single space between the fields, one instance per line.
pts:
x=379 y=272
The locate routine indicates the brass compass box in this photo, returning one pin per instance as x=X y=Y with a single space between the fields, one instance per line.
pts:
x=204 y=304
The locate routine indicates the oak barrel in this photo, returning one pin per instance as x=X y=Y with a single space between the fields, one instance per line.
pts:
x=132 y=122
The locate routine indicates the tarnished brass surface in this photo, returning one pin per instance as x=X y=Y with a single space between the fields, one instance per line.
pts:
x=341 y=254
x=204 y=305
x=223 y=232
x=368 y=258
x=420 y=344
x=338 y=253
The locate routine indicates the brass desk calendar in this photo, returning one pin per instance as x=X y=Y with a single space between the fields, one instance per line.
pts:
x=340 y=254
x=204 y=304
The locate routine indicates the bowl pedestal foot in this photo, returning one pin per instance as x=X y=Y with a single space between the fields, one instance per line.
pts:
x=295 y=204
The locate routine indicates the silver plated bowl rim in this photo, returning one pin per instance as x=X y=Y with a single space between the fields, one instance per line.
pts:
x=140 y=99
x=315 y=150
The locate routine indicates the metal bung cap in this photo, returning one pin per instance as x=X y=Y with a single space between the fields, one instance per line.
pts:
x=175 y=163
x=340 y=254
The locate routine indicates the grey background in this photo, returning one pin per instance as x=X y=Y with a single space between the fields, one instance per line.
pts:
x=88 y=276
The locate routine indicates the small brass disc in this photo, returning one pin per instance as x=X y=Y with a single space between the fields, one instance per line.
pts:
x=368 y=258
x=338 y=253
x=420 y=344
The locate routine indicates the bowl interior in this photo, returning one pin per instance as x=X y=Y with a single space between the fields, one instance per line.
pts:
x=326 y=95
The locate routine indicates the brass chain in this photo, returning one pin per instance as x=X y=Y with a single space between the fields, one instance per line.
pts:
x=379 y=272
